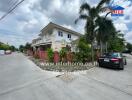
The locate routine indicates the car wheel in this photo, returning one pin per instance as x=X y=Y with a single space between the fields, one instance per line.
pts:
x=125 y=62
x=99 y=64
x=121 y=66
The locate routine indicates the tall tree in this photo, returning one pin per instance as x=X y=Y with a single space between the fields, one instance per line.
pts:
x=21 y=48
x=116 y=42
x=105 y=29
x=90 y=14
x=129 y=46
x=27 y=46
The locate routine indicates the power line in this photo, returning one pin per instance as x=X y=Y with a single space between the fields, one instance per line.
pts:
x=11 y=10
x=12 y=3
x=9 y=1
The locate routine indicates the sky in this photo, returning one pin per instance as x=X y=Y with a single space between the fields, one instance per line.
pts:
x=25 y=22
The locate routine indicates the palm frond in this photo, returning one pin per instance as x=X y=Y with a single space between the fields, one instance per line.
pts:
x=101 y=3
x=93 y=13
x=121 y=35
x=107 y=14
x=106 y=28
x=82 y=16
x=104 y=9
x=84 y=6
x=76 y=20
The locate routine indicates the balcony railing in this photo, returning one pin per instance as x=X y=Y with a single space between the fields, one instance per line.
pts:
x=41 y=41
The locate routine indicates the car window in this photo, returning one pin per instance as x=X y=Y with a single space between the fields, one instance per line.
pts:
x=105 y=55
x=115 y=55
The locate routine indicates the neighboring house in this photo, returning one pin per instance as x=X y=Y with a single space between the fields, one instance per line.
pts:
x=56 y=37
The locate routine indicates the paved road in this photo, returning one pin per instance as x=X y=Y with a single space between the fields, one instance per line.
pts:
x=20 y=79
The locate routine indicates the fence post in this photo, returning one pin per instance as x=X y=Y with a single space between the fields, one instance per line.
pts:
x=69 y=56
x=56 y=57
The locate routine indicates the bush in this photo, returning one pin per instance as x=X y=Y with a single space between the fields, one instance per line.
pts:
x=69 y=56
x=4 y=47
x=50 y=54
x=36 y=56
x=84 y=54
x=62 y=54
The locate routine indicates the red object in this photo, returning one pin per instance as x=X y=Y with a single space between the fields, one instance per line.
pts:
x=69 y=56
x=43 y=55
x=30 y=52
x=40 y=54
x=117 y=12
x=56 y=57
x=115 y=59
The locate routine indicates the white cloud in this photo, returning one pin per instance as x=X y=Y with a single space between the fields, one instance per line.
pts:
x=128 y=36
x=68 y=26
x=121 y=26
x=56 y=4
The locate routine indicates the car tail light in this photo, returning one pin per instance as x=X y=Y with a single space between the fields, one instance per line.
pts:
x=115 y=59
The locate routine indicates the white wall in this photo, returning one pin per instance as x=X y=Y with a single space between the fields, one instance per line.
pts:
x=59 y=38
x=57 y=41
x=46 y=38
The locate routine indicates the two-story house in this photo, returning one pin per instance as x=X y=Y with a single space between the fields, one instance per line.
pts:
x=56 y=37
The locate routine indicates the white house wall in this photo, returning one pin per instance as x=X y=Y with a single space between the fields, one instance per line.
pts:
x=59 y=38
x=57 y=41
x=46 y=38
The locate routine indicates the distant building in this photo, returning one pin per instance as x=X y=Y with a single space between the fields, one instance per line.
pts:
x=56 y=37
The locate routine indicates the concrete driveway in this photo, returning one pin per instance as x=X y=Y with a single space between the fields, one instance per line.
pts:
x=20 y=79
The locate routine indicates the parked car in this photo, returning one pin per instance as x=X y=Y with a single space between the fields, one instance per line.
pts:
x=112 y=60
x=8 y=52
x=2 y=52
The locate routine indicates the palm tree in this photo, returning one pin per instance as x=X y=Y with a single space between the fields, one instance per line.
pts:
x=90 y=14
x=105 y=30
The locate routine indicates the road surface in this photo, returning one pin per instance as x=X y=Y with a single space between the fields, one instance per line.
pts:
x=21 y=79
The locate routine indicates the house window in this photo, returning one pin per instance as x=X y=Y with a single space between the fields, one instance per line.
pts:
x=60 y=33
x=69 y=36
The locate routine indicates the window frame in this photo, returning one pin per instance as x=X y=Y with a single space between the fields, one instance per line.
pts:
x=60 y=33
x=69 y=36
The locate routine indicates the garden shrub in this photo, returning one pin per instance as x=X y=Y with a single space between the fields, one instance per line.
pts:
x=84 y=54
x=36 y=56
x=50 y=54
x=62 y=54
x=69 y=56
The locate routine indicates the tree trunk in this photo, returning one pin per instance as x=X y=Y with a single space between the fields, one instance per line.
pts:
x=92 y=53
x=106 y=47
x=101 y=49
